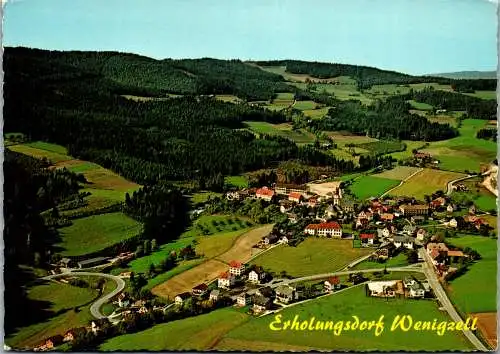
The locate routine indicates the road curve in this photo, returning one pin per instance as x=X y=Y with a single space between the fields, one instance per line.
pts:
x=449 y=186
x=445 y=301
x=96 y=306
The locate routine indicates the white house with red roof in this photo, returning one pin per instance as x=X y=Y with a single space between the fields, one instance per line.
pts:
x=326 y=229
x=264 y=193
x=295 y=197
x=367 y=238
x=226 y=280
x=332 y=283
x=236 y=268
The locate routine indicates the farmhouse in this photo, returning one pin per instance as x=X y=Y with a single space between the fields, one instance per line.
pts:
x=261 y=303
x=264 y=193
x=312 y=202
x=387 y=288
x=437 y=203
x=421 y=155
x=384 y=252
x=404 y=241
x=367 y=239
x=255 y=276
x=92 y=262
x=226 y=280
x=330 y=229
x=348 y=205
x=409 y=229
x=417 y=219
x=270 y=239
x=236 y=268
x=285 y=205
x=200 y=289
x=214 y=295
x=387 y=217
x=295 y=197
x=332 y=284
x=286 y=294
x=50 y=343
x=286 y=189
x=409 y=210
x=416 y=290
x=453 y=223
x=70 y=335
x=243 y=299
x=421 y=233
x=450 y=208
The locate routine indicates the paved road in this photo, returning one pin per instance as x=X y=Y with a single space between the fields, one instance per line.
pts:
x=95 y=308
x=411 y=268
x=445 y=301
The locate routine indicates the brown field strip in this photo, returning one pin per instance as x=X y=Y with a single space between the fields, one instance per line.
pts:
x=229 y=344
x=487 y=324
x=209 y=270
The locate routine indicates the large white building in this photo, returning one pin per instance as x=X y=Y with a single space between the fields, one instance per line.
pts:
x=327 y=229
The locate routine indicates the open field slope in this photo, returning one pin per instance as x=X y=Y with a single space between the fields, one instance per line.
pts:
x=372 y=186
x=96 y=232
x=312 y=256
x=196 y=333
x=464 y=152
x=240 y=248
x=214 y=224
x=398 y=172
x=487 y=323
x=425 y=182
x=285 y=130
x=343 y=306
x=60 y=299
x=475 y=291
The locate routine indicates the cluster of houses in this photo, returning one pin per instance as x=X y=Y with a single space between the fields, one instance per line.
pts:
x=409 y=287
x=68 y=337
x=442 y=257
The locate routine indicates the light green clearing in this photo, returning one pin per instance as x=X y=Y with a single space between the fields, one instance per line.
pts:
x=371 y=186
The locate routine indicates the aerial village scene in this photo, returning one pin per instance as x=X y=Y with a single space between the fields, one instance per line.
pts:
x=158 y=204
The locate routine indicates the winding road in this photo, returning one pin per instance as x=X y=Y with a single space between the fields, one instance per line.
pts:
x=449 y=186
x=95 y=308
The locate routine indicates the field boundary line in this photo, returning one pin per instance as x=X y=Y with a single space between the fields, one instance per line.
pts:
x=403 y=181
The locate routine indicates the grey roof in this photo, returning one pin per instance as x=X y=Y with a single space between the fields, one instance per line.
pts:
x=93 y=260
x=399 y=238
x=261 y=300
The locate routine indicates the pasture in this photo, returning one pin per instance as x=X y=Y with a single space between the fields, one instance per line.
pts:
x=398 y=172
x=312 y=256
x=341 y=307
x=34 y=150
x=342 y=138
x=58 y=300
x=305 y=105
x=420 y=105
x=285 y=130
x=96 y=232
x=485 y=95
x=464 y=152
x=382 y=146
x=475 y=291
x=397 y=261
x=371 y=186
x=213 y=224
x=194 y=333
x=317 y=113
x=236 y=181
x=425 y=182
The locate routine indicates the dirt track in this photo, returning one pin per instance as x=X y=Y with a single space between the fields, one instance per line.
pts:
x=209 y=270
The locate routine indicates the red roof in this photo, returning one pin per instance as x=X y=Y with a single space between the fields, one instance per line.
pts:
x=387 y=216
x=334 y=280
x=295 y=195
x=456 y=253
x=325 y=225
x=264 y=191
x=224 y=275
x=235 y=264
x=365 y=236
x=434 y=253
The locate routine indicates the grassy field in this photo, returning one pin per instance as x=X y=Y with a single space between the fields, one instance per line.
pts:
x=195 y=333
x=371 y=186
x=202 y=197
x=285 y=130
x=237 y=181
x=382 y=146
x=214 y=245
x=485 y=95
x=476 y=290
x=343 y=306
x=213 y=224
x=228 y=98
x=318 y=113
x=410 y=145
x=305 y=105
x=41 y=149
x=425 y=183
x=61 y=299
x=398 y=172
x=313 y=256
x=479 y=195
x=420 y=106
x=342 y=138
x=93 y=233
x=464 y=152
x=398 y=261
x=180 y=268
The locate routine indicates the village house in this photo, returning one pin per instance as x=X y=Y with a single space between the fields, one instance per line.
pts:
x=367 y=239
x=295 y=197
x=312 y=202
x=66 y=262
x=404 y=241
x=200 y=290
x=283 y=240
x=265 y=194
x=409 y=229
x=437 y=203
x=416 y=290
x=421 y=156
x=214 y=295
x=387 y=217
x=421 y=233
x=418 y=209
x=70 y=335
x=243 y=299
x=388 y=288
x=270 y=239
x=384 y=252
x=179 y=299
x=122 y=300
x=286 y=294
x=261 y=304
x=332 y=284
x=226 y=280
x=450 y=208
x=50 y=343
x=92 y=262
x=417 y=219
x=438 y=252
x=329 y=229
x=453 y=223
x=236 y=268
x=255 y=276
x=285 y=206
